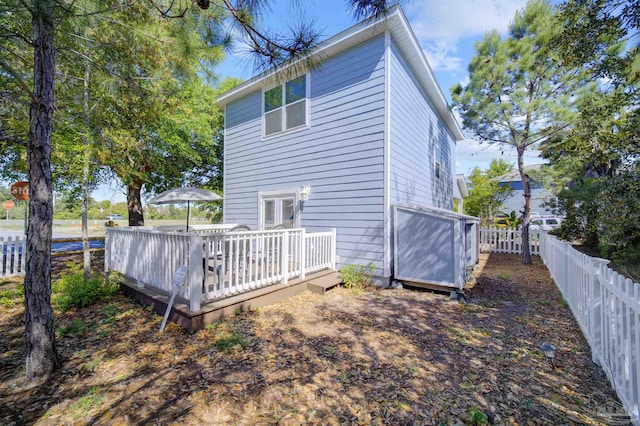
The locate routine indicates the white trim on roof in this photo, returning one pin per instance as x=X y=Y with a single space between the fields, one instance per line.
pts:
x=395 y=21
x=462 y=185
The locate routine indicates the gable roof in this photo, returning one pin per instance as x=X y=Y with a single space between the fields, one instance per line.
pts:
x=395 y=21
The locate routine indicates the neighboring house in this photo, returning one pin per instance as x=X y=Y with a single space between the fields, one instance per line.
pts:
x=336 y=146
x=540 y=197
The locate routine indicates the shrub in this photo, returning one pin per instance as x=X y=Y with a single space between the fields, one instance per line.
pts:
x=357 y=276
x=72 y=291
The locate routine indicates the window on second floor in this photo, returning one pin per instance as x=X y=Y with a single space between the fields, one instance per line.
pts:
x=437 y=159
x=285 y=106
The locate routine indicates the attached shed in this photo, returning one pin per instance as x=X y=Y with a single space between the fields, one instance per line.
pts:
x=433 y=247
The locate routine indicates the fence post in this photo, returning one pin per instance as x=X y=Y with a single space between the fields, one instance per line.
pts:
x=303 y=252
x=595 y=308
x=195 y=272
x=107 y=249
x=333 y=248
x=565 y=268
x=285 y=257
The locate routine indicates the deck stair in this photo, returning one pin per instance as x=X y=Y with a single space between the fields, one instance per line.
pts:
x=321 y=283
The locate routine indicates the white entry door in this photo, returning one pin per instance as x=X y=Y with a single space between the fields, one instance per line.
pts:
x=278 y=211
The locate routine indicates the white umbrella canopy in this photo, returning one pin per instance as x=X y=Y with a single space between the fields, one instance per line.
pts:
x=185 y=194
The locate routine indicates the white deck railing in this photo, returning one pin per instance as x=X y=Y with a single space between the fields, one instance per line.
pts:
x=13 y=251
x=151 y=257
x=320 y=251
x=506 y=240
x=606 y=305
x=241 y=261
x=220 y=264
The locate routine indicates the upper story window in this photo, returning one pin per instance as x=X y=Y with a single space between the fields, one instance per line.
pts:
x=437 y=159
x=285 y=106
x=437 y=151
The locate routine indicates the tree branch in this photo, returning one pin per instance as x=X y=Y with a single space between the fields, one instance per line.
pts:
x=9 y=69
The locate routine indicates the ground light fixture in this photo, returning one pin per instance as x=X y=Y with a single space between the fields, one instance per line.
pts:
x=550 y=352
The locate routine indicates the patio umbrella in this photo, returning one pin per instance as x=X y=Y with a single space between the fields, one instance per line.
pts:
x=186 y=194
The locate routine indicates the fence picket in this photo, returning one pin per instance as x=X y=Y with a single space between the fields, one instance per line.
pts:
x=606 y=305
x=507 y=240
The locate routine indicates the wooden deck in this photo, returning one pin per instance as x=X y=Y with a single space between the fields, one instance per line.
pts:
x=213 y=310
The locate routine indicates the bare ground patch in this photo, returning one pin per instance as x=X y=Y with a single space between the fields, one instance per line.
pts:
x=379 y=357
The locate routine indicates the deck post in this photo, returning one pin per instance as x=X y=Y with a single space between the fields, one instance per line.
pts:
x=195 y=272
x=333 y=249
x=285 y=257
x=107 y=250
x=303 y=252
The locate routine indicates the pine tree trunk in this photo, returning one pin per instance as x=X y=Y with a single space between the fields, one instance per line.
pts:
x=134 y=204
x=41 y=355
x=85 y=177
x=526 y=213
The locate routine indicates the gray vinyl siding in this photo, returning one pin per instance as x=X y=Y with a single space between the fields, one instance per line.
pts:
x=415 y=128
x=539 y=197
x=340 y=156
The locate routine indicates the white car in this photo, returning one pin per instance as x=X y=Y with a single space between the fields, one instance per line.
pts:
x=114 y=217
x=545 y=223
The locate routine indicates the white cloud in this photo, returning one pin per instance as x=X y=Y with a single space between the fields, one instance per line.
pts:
x=440 y=24
x=441 y=58
x=471 y=153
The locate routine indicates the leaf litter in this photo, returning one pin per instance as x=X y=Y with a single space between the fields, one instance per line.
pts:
x=377 y=357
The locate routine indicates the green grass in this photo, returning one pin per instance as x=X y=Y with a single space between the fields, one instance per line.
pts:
x=503 y=275
x=11 y=297
x=74 y=327
x=92 y=399
x=227 y=343
x=91 y=365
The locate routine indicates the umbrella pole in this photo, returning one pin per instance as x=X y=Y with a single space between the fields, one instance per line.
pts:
x=187 y=230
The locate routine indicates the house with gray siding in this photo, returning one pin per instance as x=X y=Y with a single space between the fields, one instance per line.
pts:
x=541 y=198
x=335 y=146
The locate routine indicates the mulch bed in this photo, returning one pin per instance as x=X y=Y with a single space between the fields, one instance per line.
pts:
x=378 y=357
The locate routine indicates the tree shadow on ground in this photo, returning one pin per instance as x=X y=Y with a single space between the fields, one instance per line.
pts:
x=383 y=356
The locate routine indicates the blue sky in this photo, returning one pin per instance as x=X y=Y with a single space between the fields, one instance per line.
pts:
x=446 y=30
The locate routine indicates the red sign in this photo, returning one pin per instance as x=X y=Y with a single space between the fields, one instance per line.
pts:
x=8 y=204
x=20 y=190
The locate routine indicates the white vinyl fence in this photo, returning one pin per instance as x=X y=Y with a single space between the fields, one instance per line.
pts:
x=606 y=305
x=506 y=240
x=221 y=263
x=14 y=251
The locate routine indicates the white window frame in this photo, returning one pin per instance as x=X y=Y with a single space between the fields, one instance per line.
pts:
x=437 y=165
x=282 y=86
x=276 y=195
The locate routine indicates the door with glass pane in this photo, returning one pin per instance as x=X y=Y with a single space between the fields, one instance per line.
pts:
x=278 y=211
